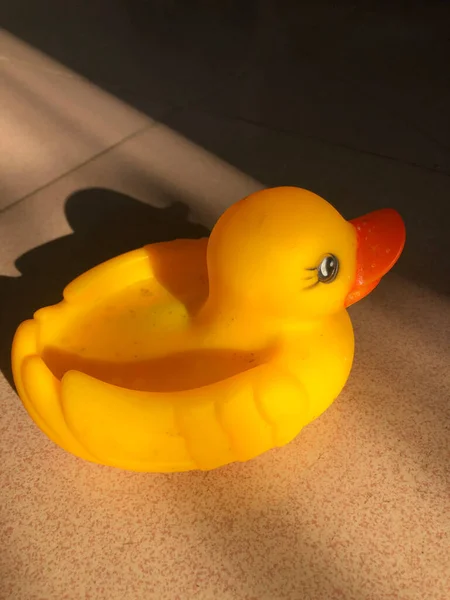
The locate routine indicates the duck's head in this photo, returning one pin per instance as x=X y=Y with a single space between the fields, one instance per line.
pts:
x=286 y=253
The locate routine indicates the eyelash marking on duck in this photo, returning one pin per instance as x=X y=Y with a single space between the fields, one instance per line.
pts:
x=310 y=287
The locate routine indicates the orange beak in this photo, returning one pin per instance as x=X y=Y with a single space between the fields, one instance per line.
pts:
x=380 y=240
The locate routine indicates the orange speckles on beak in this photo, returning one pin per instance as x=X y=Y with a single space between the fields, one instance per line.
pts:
x=380 y=237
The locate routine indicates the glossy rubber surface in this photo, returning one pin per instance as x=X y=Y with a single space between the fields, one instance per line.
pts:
x=194 y=354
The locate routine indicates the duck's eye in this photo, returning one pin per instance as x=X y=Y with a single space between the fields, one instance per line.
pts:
x=328 y=269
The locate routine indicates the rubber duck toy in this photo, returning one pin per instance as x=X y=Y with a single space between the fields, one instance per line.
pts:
x=194 y=354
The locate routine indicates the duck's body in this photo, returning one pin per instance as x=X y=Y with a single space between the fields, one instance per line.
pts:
x=175 y=357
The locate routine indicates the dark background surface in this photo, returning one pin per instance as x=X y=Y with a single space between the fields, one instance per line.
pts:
x=367 y=78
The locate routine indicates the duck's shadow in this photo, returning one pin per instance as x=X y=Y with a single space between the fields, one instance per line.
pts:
x=104 y=223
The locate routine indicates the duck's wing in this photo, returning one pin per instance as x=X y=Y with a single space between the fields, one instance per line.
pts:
x=233 y=420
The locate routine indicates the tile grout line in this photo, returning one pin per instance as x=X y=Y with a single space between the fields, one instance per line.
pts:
x=324 y=141
x=103 y=152
x=161 y=119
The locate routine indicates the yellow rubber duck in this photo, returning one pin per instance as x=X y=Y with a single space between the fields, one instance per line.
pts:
x=196 y=353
